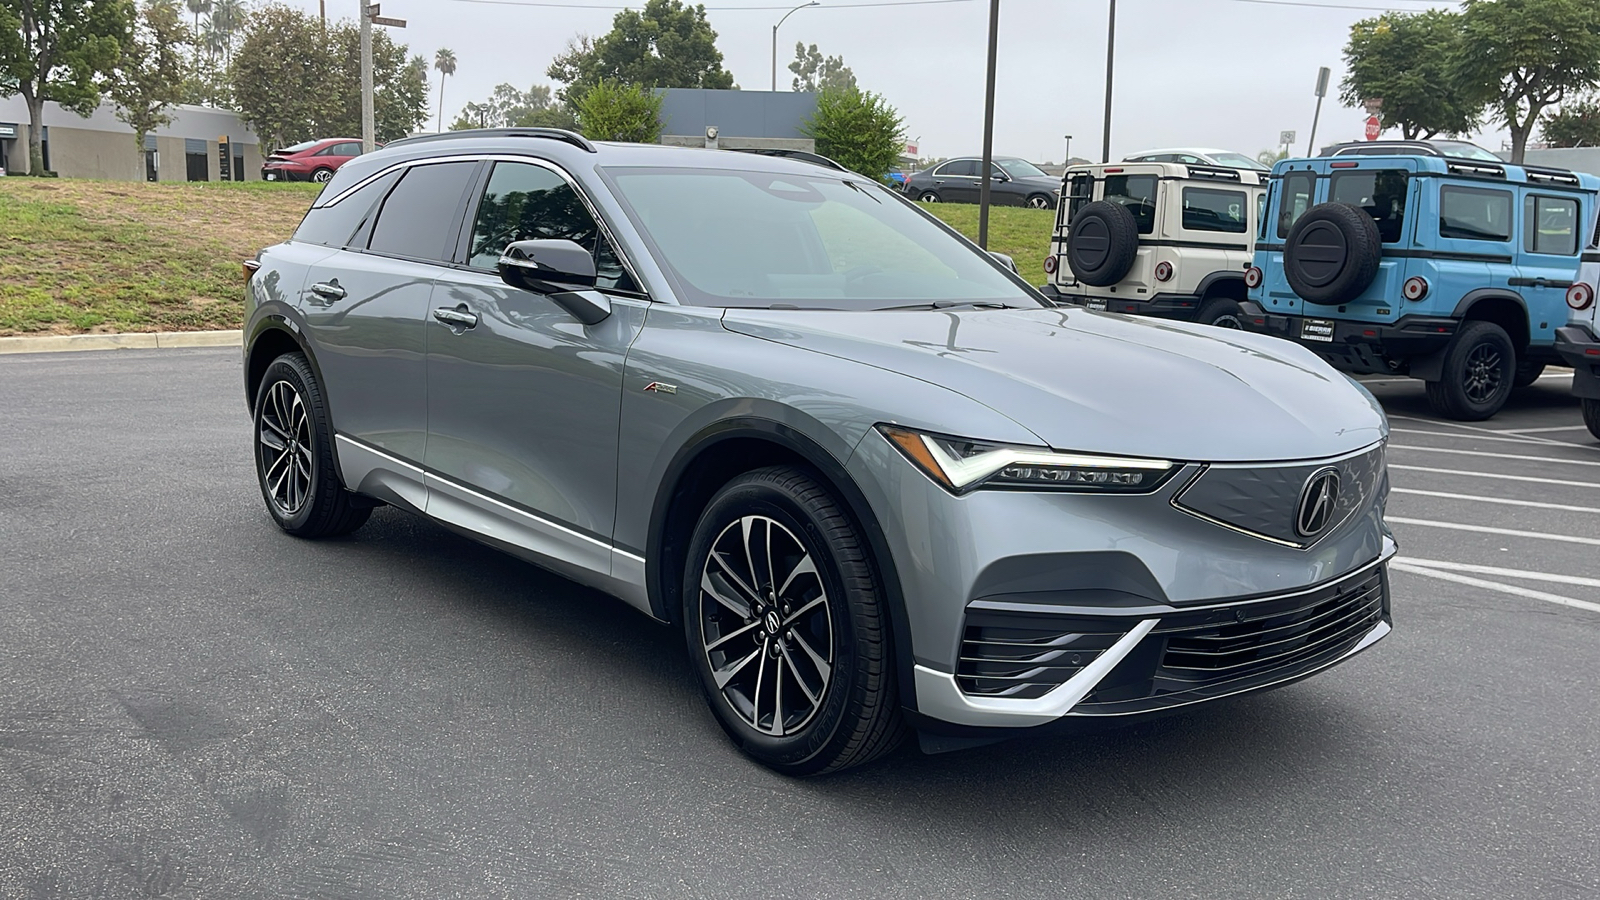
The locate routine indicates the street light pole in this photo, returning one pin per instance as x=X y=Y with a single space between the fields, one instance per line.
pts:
x=988 y=127
x=1111 y=50
x=775 y=38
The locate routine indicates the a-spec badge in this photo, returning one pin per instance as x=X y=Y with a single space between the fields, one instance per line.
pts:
x=661 y=387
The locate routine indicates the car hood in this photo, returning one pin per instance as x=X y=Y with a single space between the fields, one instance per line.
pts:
x=1105 y=383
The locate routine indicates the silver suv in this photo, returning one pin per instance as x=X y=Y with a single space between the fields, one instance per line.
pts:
x=880 y=485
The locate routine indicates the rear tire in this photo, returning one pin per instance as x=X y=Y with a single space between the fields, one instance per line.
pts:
x=1527 y=373
x=1478 y=370
x=1591 y=417
x=294 y=454
x=929 y=196
x=322 y=176
x=787 y=626
x=1222 y=312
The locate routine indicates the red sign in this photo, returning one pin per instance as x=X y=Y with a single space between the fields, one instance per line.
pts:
x=1373 y=128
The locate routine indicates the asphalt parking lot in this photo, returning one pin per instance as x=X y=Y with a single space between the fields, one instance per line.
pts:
x=195 y=705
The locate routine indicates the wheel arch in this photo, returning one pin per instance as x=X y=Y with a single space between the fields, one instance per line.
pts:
x=1503 y=308
x=274 y=335
x=722 y=451
x=1221 y=284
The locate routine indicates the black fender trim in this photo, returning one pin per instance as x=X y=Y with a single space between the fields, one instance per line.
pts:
x=1215 y=278
x=833 y=470
x=1474 y=296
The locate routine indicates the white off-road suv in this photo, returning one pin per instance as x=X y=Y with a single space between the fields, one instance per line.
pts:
x=1578 y=341
x=1156 y=239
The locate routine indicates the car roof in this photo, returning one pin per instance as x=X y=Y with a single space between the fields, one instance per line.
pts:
x=1178 y=171
x=1458 y=167
x=1203 y=151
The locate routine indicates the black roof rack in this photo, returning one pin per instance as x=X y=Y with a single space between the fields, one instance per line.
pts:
x=816 y=159
x=1220 y=173
x=555 y=134
x=1457 y=166
x=1548 y=175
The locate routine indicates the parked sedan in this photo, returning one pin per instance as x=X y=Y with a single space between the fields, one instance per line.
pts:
x=311 y=161
x=878 y=483
x=1013 y=182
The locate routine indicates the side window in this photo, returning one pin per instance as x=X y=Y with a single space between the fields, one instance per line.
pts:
x=418 y=218
x=1138 y=194
x=349 y=148
x=1298 y=189
x=1080 y=190
x=332 y=226
x=960 y=168
x=1205 y=209
x=1381 y=192
x=1550 y=225
x=995 y=172
x=1474 y=214
x=524 y=202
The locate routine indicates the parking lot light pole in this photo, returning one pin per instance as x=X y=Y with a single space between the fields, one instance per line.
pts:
x=988 y=127
x=1111 y=51
x=775 y=38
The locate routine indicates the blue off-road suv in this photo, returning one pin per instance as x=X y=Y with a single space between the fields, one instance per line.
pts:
x=1453 y=271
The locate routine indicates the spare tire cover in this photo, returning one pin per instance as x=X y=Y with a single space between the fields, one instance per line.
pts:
x=1332 y=253
x=1102 y=243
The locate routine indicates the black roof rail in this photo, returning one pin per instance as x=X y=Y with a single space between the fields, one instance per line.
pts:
x=1457 y=166
x=1221 y=173
x=816 y=159
x=555 y=134
x=1551 y=175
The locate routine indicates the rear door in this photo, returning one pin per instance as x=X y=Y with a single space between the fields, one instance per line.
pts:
x=957 y=181
x=365 y=309
x=1547 y=260
x=1472 y=241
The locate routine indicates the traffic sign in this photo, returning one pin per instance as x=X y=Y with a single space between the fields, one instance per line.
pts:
x=1374 y=128
x=1286 y=137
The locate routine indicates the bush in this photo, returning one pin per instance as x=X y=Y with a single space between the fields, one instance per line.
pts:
x=611 y=111
x=1576 y=125
x=858 y=129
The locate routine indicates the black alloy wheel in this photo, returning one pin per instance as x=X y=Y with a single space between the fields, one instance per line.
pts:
x=294 y=455
x=1478 y=371
x=786 y=622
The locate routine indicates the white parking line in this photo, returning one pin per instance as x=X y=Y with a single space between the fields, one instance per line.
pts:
x=1570 y=462
x=1476 y=429
x=1504 y=573
x=1501 y=437
x=1582 y=484
x=1501 y=500
x=1485 y=529
x=1541 y=430
x=1495 y=586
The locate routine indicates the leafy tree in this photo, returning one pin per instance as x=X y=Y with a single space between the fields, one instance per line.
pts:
x=444 y=60
x=813 y=72
x=858 y=129
x=149 y=77
x=198 y=8
x=508 y=107
x=1576 y=125
x=1406 y=59
x=1269 y=158
x=667 y=44
x=612 y=111
x=59 y=50
x=1519 y=57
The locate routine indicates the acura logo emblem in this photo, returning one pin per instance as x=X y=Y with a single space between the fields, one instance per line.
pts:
x=1317 y=501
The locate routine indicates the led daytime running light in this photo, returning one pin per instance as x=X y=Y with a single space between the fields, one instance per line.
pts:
x=944 y=461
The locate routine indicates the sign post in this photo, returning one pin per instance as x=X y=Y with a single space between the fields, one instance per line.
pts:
x=1322 y=91
x=224 y=159
x=369 y=18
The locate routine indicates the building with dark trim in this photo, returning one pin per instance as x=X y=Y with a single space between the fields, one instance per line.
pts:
x=102 y=146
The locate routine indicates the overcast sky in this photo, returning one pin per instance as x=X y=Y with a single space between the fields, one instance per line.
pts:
x=1197 y=73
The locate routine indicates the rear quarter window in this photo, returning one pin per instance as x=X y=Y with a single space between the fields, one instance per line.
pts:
x=332 y=226
x=1474 y=214
x=1380 y=192
x=1550 y=225
x=1207 y=209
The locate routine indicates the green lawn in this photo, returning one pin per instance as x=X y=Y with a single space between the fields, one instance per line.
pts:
x=111 y=256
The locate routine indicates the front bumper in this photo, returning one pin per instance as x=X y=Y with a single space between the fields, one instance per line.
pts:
x=1580 y=349
x=1357 y=347
x=1183 y=307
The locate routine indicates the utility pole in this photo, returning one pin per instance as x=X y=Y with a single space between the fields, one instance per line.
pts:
x=775 y=38
x=1111 y=51
x=368 y=128
x=988 y=127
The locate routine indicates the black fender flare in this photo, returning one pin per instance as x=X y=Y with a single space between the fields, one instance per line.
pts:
x=1472 y=297
x=831 y=468
x=1215 y=278
x=1431 y=366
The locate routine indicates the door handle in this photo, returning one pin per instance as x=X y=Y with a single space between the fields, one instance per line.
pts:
x=329 y=290
x=456 y=318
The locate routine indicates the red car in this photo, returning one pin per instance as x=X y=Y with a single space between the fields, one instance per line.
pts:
x=310 y=161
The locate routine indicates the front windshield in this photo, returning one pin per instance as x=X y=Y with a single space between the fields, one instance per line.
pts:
x=815 y=241
x=1237 y=161
x=1020 y=168
x=1464 y=150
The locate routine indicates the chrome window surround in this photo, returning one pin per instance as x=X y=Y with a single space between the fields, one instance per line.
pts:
x=594 y=211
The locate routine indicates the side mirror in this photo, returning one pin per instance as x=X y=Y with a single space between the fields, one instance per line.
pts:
x=555 y=268
x=1001 y=177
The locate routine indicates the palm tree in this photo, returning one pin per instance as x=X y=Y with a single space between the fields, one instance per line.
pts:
x=227 y=17
x=444 y=60
x=198 y=7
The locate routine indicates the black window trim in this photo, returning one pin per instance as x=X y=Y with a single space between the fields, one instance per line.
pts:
x=367 y=229
x=977 y=163
x=1577 y=225
x=471 y=205
x=1511 y=206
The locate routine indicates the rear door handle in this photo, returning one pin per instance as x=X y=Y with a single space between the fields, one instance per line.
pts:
x=329 y=290
x=456 y=318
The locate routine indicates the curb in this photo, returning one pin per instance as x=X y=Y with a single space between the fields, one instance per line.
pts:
x=60 y=343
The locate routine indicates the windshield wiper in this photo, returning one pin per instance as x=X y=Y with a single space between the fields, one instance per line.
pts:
x=956 y=304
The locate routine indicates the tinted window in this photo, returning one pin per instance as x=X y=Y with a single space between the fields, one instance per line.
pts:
x=347 y=149
x=1205 y=209
x=1138 y=194
x=959 y=167
x=1080 y=190
x=1298 y=189
x=1550 y=225
x=418 y=219
x=1381 y=192
x=1261 y=214
x=525 y=202
x=1474 y=214
x=333 y=225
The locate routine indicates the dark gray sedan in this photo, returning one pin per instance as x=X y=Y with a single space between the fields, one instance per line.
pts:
x=1014 y=182
x=878 y=483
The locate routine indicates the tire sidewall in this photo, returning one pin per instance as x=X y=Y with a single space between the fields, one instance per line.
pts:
x=928 y=197
x=283 y=369
x=1591 y=416
x=749 y=496
x=322 y=176
x=1222 y=307
x=1478 y=334
x=1122 y=236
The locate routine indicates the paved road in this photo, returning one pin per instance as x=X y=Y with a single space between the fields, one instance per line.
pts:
x=194 y=705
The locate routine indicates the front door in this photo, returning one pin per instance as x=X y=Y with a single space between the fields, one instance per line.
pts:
x=523 y=399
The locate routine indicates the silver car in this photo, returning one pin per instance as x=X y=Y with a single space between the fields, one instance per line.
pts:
x=882 y=486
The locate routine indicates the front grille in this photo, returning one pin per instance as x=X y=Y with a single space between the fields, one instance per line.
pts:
x=1262 y=500
x=1022 y=656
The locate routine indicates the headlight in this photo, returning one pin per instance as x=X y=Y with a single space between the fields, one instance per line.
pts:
x=961 y=465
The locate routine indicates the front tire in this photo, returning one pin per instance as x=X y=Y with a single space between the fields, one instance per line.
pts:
x=1039 y=201
x=1478 y=371
x=294 y=454
x=1591 y=417
x=788 y=627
